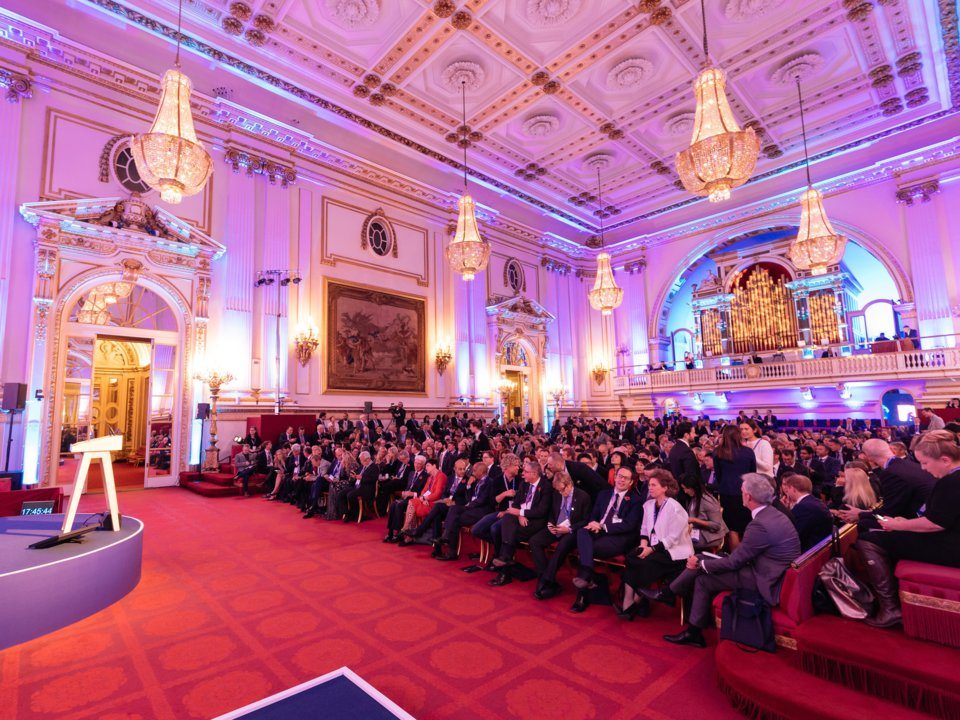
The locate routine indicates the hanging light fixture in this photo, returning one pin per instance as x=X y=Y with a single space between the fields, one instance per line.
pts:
x=605 y=296
x=817 y=246
x=468 y=253
x=721 y=156
x=169 y=158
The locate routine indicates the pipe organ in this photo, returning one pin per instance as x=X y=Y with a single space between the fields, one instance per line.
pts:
x=768 y=306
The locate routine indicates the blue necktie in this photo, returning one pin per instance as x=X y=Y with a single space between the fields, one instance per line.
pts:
x=565 y=509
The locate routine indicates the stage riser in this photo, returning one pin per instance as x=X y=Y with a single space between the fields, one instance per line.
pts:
x=45 y=590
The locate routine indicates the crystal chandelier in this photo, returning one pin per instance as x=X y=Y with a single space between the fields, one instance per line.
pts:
x=169 y=158
x=605 y=296
x=817 y=246
x=468 y=253
x=721 y=156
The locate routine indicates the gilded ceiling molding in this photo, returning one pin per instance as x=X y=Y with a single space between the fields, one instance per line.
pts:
x=802 y=65
x=246 y=68
x=18 y=86
x=463 y=73
x=922 y=191
x=749 y=10
x=629 y=73
x=546 y=13
x=555 y=266
x=259 y=165
x=948 y=22
x=353 y=14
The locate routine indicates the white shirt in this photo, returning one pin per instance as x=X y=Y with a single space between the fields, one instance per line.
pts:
x=531 y=491
x=618 y=499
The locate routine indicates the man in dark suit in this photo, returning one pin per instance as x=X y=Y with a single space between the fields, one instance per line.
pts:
x=365 y=485
x=288 y=437
x=826 y=467
x=810 y=516
x=569 y=511
x=785 y=463
x=414 y=486
x=682 y=461
x=583 y=476
x=448 y=457
x=904 y=485
x=481 y=442
x=614 y=528
x=525 y=516
x=398 y=480
x=505 y=488
x=769 y=545
x=456 y=493
x=479 y=504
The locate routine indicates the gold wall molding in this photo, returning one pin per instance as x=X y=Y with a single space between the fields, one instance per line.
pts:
x=328 y=256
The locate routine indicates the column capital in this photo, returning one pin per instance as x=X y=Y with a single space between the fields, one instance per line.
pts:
x=922 y=191
x=17 y=86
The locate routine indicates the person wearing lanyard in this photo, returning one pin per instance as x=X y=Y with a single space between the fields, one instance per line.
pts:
x=612 y=531
x=569 y=511
x=522 y=519
x=665 y=543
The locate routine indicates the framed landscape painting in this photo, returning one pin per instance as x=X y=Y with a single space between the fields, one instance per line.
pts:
x=376 y=341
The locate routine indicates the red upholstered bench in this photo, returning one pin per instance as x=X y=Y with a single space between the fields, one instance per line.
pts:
x=930 y=600
x=796 y=594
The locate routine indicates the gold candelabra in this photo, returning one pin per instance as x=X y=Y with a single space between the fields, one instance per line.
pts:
x=306 y=341
x=214 y=381
x=558 y=395
x=443 y=357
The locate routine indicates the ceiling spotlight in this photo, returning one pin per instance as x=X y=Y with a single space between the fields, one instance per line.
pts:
x=297 y=279
x=285 y=281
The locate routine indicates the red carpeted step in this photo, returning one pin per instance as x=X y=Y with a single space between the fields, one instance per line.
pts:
x=766 y=686
x=886 y=663
x=208 y=489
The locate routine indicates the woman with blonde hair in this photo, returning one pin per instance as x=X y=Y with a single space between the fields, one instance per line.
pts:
x=341 y=483
x=858 y=492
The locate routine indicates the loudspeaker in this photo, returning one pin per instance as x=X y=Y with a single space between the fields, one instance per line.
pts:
x=14 y=396
x=203 y=411
x=367 y=407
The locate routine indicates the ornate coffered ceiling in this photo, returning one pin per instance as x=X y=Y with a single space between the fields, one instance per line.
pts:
x=559 y=88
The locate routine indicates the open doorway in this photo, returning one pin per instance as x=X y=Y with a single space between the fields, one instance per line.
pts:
x=121 y=377
x=107 y=392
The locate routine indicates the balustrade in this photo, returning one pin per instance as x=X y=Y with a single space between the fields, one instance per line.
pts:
x=938 y=362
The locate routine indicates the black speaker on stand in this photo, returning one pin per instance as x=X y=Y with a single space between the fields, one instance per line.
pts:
x=14 y=400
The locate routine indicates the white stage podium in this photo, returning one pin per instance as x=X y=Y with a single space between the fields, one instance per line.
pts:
x=96 y=449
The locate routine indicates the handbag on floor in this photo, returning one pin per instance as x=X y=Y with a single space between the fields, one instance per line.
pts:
x=852 y=598
x=745 y=619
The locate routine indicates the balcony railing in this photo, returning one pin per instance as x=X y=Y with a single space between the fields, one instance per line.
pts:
x=938 y=362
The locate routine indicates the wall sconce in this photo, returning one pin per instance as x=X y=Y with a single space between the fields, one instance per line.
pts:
x=443 y=357
x=599 y=373
x=806 y=393
x=505 y=387
x=844 y=391
x=306 y=340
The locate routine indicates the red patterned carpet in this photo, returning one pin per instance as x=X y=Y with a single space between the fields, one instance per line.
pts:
x=240 y=598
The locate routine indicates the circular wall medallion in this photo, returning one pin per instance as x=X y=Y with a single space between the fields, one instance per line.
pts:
x=378 y=235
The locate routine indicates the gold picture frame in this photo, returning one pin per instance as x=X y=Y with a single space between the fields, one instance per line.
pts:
x=376 y=340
